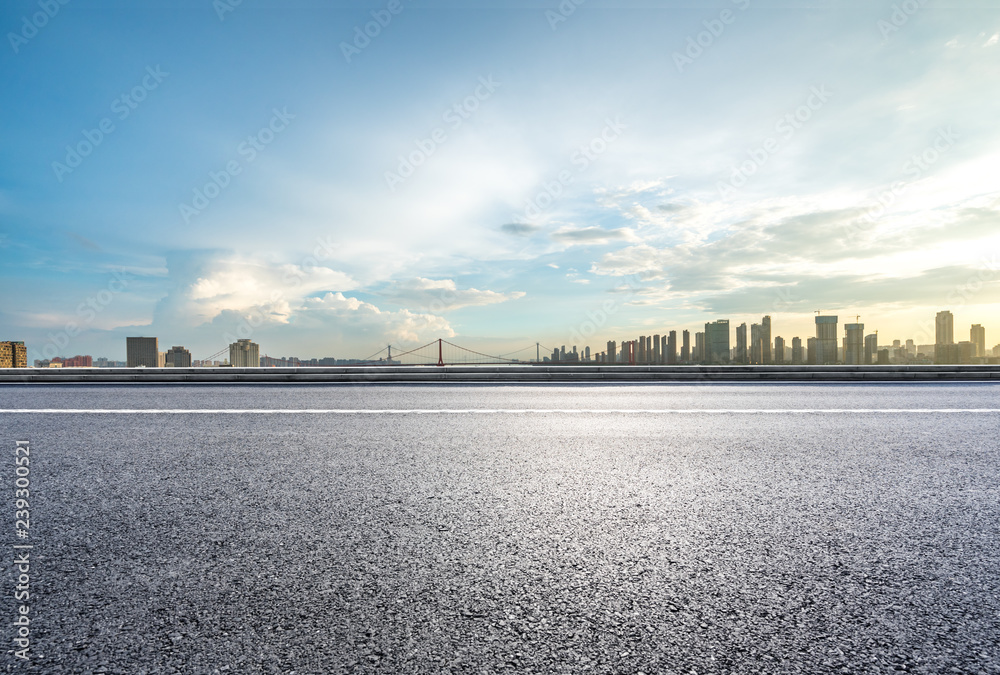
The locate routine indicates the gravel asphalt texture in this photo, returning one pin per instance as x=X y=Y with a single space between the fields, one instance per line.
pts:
x=538 y=543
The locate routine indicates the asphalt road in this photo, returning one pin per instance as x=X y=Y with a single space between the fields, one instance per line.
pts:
x=610 y=541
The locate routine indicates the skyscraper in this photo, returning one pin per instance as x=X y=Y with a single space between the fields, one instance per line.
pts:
x=944 y=328
x=756 y=345
x=656 y=349
x=612 y=352
x=765 y=336
x=741 y=343
x=978 y=338
x=717 y=341
x=812 y=349
x=826 y=340
x=672 y=347
x=685 y=346
x=142 y=352
x=871 y=348
x=854 y=346
x=699 y=347
x=797 y=351
x=779 y=349
x=246 y=354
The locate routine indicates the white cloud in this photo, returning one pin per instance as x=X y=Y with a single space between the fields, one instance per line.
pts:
x=243 y=285
x=364 y=317
x=442 y=294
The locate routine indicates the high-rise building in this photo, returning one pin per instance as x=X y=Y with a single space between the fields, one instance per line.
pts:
x=944 y=328
x=13 y=354
x=246 y=354
x=978 y=338
x=854 y=344
x=672 y=347
x=779 y=349
x=756 y=344
x=871 y=348
x=717 y=341
x=685 y=346
x=699 y=348
x=911 y=348
x=765 y=336
x=142 y=352
x=178 y=357
x=826 y=340
x=741 y=344
x=612 y=352
x=797 y=351
x=586 y=354
x=656 y=349
x=812 y=350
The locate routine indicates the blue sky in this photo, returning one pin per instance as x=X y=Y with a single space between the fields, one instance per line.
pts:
x=495 y=174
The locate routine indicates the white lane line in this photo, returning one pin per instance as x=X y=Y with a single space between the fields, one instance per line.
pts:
x=492 y=411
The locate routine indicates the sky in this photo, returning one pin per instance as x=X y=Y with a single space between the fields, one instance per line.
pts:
x=328 y=177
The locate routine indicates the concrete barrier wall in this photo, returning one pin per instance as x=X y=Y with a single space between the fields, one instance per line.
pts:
x=502 y=374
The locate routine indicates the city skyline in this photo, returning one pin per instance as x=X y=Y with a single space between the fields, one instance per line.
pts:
x=719 y=342
x=335 y=190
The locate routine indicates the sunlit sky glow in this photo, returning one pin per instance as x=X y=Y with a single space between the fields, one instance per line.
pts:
x=592 y=162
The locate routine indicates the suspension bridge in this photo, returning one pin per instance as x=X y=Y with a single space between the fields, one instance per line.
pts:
x=438 y=352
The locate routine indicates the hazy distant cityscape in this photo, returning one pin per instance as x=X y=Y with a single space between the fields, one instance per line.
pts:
x=753 y=345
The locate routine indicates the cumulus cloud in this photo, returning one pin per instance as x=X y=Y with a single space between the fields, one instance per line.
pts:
x=366 y=318
x=243 y=285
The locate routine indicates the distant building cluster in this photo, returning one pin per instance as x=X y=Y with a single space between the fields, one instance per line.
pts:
x=756 y=346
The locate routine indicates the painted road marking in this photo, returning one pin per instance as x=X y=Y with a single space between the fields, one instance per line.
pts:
x=492 y=411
